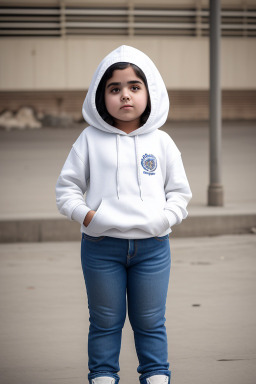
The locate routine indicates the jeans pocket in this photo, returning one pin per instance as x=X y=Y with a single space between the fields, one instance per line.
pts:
x=162 y=238
x=93 y=239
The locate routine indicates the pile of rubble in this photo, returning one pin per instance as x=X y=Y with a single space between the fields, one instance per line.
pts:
x=24 y=118
x=27 y=118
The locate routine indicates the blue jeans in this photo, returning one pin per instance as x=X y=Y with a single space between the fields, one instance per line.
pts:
x=139 y=270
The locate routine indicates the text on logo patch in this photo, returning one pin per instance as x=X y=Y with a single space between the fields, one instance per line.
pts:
x=149 y=164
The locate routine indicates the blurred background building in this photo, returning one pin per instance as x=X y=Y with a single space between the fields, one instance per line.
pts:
x=51 y=48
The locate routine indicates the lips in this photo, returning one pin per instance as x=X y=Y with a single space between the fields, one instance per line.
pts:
x=127 y=106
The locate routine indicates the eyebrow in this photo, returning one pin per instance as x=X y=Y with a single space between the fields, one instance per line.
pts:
x=128 y=82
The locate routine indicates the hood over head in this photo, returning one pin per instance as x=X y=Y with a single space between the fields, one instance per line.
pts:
x=157 y=91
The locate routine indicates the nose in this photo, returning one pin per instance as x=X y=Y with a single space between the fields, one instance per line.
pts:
x=125 y=95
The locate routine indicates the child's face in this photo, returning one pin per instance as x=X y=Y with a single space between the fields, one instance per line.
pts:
x=126 y=99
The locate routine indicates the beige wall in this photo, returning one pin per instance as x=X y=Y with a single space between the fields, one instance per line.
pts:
x=68 y=64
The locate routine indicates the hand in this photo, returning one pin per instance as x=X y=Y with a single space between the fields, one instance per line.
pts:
x=88 y=218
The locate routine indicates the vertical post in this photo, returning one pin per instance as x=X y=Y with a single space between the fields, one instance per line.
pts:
x=63 y=18
x=215 y=189
x=131 y=18
x=198 y=18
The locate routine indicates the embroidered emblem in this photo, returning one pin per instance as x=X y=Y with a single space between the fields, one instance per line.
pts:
x=149 y=163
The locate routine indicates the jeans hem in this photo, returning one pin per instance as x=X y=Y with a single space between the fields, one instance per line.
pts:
x=145 y=376
x=92 y=376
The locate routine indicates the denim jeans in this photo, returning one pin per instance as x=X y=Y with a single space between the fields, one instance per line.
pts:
x=132 y=273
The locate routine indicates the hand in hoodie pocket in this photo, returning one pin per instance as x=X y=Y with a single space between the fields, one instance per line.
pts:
x=88 y=218
x=128 y=213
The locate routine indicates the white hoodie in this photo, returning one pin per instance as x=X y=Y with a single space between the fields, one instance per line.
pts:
x=135 y=182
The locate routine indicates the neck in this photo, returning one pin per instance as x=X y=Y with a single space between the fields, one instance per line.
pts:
x=127 y=126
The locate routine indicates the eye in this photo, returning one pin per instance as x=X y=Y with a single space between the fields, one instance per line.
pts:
x=115 y=90
x=135 y=88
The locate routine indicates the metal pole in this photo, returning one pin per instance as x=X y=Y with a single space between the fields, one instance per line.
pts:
x=215 y=189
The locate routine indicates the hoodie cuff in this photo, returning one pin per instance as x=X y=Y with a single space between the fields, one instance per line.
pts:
x=79 y=213
x=171 y=217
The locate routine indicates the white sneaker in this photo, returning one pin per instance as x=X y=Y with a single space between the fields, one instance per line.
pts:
x=157 y=379
x=103 y=380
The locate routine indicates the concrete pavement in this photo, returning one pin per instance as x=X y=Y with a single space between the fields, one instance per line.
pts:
x=211 y=320
x=31 y=162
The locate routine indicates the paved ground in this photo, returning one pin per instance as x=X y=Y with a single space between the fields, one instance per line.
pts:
x=210 y=314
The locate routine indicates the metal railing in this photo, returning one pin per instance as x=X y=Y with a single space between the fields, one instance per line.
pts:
x=65 y=21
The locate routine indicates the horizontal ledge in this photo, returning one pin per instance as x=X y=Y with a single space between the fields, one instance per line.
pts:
x=121 y=12
x=115 y=25
x=39 y=230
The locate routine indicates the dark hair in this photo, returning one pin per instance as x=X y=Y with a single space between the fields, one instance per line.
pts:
x=100 y=93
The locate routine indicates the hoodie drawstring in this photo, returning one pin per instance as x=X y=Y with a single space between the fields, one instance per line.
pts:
x=118 y=165
x=138 y=164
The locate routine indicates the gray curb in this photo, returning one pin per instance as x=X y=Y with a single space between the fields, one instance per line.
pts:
x=40 y=230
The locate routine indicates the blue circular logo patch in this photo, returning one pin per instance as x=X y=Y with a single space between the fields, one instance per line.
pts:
x=149 y=163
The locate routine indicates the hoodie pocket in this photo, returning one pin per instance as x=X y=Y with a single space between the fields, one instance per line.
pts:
x=129 y=213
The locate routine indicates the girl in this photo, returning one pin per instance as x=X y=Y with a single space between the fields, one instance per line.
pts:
x=136 y=190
